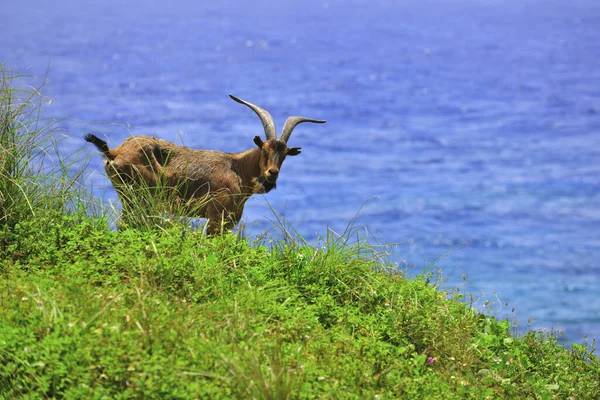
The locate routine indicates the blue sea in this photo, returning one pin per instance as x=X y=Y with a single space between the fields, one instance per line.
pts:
x=465 y=132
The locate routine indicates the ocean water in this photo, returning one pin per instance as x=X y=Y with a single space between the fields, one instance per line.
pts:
x=466 y=132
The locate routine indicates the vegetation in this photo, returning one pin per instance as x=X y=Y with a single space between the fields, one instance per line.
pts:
x=89 y=312
x=33 y=177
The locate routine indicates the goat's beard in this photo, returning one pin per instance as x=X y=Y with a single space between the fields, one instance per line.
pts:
x=262 y=185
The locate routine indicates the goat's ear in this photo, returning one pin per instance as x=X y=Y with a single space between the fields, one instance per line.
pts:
x=258 y=141
x=293 y=151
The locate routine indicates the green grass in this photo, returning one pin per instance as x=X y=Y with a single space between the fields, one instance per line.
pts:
x=34 y=179
x=89 y=312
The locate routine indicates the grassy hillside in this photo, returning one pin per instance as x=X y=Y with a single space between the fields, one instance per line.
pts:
x=89 y=312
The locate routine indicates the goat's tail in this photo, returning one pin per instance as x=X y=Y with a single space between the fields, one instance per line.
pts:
x=100 y=144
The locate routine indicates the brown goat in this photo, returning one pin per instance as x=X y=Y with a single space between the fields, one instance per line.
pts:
x=208 y=183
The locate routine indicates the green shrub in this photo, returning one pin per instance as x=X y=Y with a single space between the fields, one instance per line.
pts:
x=90 y=312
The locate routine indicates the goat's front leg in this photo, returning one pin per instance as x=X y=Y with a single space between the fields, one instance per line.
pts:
x=217 y=225
x=222 y=215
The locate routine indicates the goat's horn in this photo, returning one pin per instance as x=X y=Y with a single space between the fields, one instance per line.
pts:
x=291 y=123
x=264 y=116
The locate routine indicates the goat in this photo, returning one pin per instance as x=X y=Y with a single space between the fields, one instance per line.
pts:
x=208 y=183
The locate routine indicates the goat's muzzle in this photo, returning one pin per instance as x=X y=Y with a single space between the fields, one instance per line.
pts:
x=272 y=175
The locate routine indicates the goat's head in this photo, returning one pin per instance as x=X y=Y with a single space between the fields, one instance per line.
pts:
x=273 y=150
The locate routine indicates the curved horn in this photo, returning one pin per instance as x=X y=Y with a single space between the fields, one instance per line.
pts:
x=291 y=123
x=264 y=116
